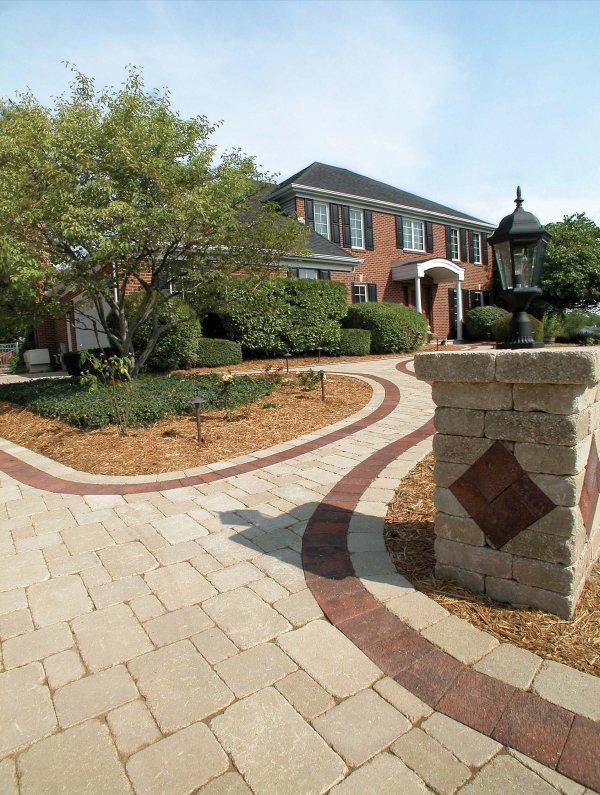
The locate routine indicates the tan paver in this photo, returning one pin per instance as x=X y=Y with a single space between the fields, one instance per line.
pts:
x=401 y=698
x=83 y=761
x=254 y=669
x=16 y=623
x=236 y=576
x=562 y=784
x=113 y=593
x=299 y=608
x=126 y=559
x=179 y=686
x=133 y=727
x=245 y=618
x=58 y=599
x=26 y=708
x=269 y=590
x=36 y=645
x=71 y=564
x=86 y=538
x=110 y=636
x=460 y=639
x=572 y=689
x=431 y=761
x=177 y=625
x=178 y=553
x=511 y=664
x=214 y=645
x=272 y=746
x=179 y=528
x=284 y=566
x=384 y=775
x=229 y=784
x=93 y=695
x=507 y=776
x=305 y=695
x=179 y=585
x=12 y=600
x=19 y=571
x=64 y=667
x=468 y=745
x=178 y=764
x=146 y=607
x=229 y=551
x=330 y=658
x=361 y=726
x=8 y=778
x=418 y=610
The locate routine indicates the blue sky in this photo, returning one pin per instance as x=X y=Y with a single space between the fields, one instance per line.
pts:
x=455 y=101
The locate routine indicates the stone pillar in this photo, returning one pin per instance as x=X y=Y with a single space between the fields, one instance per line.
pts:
x=417 y=293
x=459 y=312
x=517 y=471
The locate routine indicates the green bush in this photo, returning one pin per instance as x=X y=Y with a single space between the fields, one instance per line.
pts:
x=354 y=342
x=150 y=399
x=479 y=321
x=218 y=353
x=175 y=348
x=500 y=328
x=72 y=359
x=394 y=328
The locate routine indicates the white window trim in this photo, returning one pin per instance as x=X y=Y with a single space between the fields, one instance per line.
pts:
x=366 y=289
x=303 y=273
x=480 y=260
x=362 y=228
x=453 y=231
x=412 y=222
x=326 y=206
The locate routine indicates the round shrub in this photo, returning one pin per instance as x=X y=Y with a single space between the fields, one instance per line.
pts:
x=479 y=321
x=176 y=347
x=394 y=328
x=354 y=342
x=218 y=353
x=500 y=328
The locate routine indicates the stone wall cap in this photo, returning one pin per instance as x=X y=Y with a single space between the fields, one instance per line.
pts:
x=540 y=366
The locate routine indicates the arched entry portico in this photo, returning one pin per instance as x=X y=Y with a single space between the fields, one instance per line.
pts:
x=439 y=271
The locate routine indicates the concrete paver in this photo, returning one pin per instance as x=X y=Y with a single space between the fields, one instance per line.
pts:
x=383 y=775
x=431 y=761
x=132 y=727
x=25 y=707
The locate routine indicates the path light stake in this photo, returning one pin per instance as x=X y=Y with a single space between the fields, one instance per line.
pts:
x=197 y=403
x=322 y=374
x=319 y=354
x=287 y=357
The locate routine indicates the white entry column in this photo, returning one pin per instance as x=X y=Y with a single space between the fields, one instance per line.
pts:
x=417 y=293
x=459 y=312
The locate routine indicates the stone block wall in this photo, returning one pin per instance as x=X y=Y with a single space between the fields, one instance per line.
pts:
x=517 y=471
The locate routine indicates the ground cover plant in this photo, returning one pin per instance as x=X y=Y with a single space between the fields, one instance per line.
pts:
x=149 y=399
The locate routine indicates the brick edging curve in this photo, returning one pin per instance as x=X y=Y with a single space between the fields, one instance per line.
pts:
x=550 y=734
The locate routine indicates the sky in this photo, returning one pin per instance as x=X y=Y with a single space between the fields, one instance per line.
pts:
x=455 y=101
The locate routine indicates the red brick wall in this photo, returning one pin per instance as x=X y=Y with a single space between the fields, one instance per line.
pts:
x=377 y=268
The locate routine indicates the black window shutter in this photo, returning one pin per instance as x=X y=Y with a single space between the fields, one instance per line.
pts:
x=372 y=292
x=486 y=297
x=354 y=293
x=346 y=226
x=448 y=242
x=466 y=300
x=334 y=222
x=325 y=275
x=463 y=245
x=369 y=231
x=294 y=273
x=309 y=212
x=428 y=236
x=471 y=247
x=399 y=232
x=452 y=310
x=484 y=248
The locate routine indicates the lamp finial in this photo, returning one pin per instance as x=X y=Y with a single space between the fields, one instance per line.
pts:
x=519 y=200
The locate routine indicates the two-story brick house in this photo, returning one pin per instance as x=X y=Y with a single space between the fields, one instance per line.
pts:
x=403 y=248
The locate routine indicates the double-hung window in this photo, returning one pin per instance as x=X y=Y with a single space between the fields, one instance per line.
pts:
x=356 y=228
x=455 y=244
x=321 y=219
x=361 y=294
x=477 y=247
x=414 y=238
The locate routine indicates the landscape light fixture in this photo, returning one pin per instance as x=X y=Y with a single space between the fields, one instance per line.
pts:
x=519 y=245
x=197 y=403
x=287 y=357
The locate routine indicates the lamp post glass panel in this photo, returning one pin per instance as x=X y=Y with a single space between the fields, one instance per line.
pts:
x=519 y=245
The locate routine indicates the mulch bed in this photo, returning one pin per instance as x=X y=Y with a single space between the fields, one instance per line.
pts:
x=410 y=536
x=170 y=445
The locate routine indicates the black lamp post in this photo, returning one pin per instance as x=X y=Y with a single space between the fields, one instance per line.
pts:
x=519 y=245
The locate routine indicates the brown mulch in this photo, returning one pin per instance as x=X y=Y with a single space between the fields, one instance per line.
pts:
x=410 y=536
x=170 y=445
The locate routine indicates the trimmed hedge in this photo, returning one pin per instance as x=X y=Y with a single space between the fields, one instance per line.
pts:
x=500 y=328
x=479 y=322
x=394 y=328
x=149 y=398
x=354 y=342
x=218 y=353
x=177 y=347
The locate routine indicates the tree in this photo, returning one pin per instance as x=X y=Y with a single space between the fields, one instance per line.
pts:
x=113 y=191
x=571 y=274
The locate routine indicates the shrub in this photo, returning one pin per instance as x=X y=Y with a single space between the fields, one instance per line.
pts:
x=218 y=353
x=500 y=328
x=315 y=310
x=150 y=399
x=354 y=342
x=553 y=324
x=479 y=321
x=175 y=348
x=73 y=359
x=394 y=328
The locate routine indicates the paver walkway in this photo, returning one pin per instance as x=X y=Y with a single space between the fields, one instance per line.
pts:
x=240 y=628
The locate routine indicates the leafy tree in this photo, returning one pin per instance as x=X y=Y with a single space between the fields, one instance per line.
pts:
x=113 y=191
x=571 y=274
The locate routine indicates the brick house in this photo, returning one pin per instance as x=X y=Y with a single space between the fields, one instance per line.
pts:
x=403 y=248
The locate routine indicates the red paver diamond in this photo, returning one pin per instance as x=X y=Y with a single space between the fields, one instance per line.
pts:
x=500 y=496
x=591 y=488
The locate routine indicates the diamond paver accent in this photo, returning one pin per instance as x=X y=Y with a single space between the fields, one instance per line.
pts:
x=588 y=500
x=500 y=496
